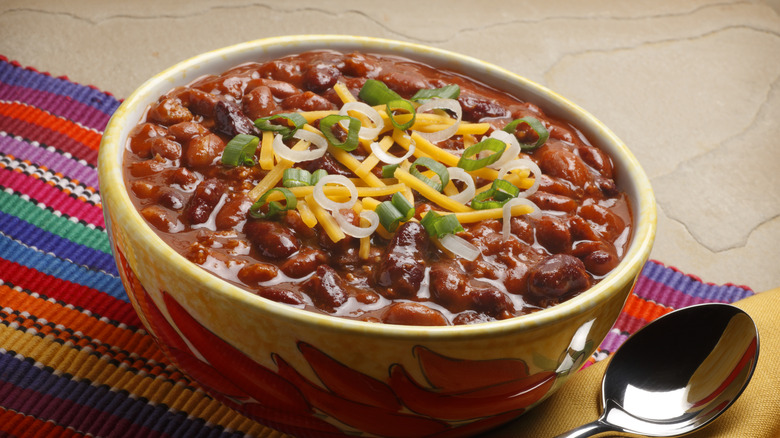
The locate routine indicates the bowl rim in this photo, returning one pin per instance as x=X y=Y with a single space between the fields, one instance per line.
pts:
x=112 y=188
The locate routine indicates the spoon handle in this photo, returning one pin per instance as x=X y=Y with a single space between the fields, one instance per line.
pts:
x=596 y=428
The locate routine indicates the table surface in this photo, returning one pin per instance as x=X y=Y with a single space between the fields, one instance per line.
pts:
x=692 y=87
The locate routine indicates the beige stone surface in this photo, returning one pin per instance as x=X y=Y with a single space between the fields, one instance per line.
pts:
x=691 y=86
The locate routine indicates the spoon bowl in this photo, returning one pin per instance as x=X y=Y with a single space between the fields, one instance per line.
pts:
x=677 y=374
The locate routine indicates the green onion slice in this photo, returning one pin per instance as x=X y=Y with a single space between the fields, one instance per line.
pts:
x=436 y=167
x=445 y=92
x=240 y=150
x=389 y=216
x=440 y=225
x=326 y=126
x=404 y=207
x=541 y=132
x=294 y=177
x=489 y=144
x=496 y=196
x=297 y=121
x=317 y=174
x=274 y=207
x=389 y=170
x=375 y=92
x=401 y=105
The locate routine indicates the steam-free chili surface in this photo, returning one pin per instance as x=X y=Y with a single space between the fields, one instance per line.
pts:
x=199 y=206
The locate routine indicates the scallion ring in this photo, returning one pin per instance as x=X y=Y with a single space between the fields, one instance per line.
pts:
x=285 y=152
x=436 y=167
x=461 y=175
x=240 y=150
x=297 y=120
x=294 y=177
x=523 y=163
x=375 y=92
x=389 y=170
x=317 y=175
x=512 y=150
x=351 y=142
x=503 y=190
x=365 y=132
x=329 y=204
x=446 y=92
x=355 y=231
x=542 y=134
x=446 y=104
x=274 y=207
x=437 y=225
x=403 y=106
x=489 y=144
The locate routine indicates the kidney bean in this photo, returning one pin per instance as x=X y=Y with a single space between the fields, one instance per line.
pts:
x=160 y=218
x=581 y=229
x=449 y=286
x=279 y=89
x=231 y=121
x=522 y=228
x=599 y=257
x=282 y=296
x=561 y=187
x=551 y=201
x=516 y=278
x=553 y=234
x=321 y=77
x=169 y=111
x=357 y=64
x=471 y=317
x=284 y=71
x=183 y=178
x=557 y=277
x=271 y=239
x=598 y=160
x=259 y=103
x=477 y=108
x=255 y=273
x=170 y=198
x=148 y=167
x=608 y=225
x=203 y=151
x=492 y=302
x=560 y=161
x=143 y=189
x=140 y=136
x=203 y=201
x=403 y=268
x=304 y=262
x=307 y=101
x=413 y=314
x=404 y=81
x=326 y=289
x=185 y=131
x=232 y=212
x=293 y=220
x=165 y=148
x=329 y=164
x=201 y=102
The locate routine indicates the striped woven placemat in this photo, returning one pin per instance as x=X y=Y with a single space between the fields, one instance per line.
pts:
x=74 y=358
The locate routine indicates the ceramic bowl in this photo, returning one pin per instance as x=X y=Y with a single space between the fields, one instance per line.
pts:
x=313 y=375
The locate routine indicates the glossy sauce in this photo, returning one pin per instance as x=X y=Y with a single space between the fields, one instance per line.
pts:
x=199 y=206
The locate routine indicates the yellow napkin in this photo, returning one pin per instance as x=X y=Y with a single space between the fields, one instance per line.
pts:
x=756 y=414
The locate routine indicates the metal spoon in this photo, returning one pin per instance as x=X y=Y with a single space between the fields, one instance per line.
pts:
x=677 y=374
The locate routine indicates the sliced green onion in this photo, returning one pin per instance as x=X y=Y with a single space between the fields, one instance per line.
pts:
x=375 y=92
x=403 y=106
x=496 y=196
x=389 y=170
x=488 y=144
x=403 y=205
x=274 y=207
x=389 y=216
x=294 y=177
x=504 y=190
x=317 y=174
x=436 y=167
x=297 y=121
x=440 y=225
x=326 y=126
x=240 y=150
x=445 y=92
x=541 y=132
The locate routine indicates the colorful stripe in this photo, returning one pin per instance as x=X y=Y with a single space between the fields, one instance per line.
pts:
x=75 y=360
